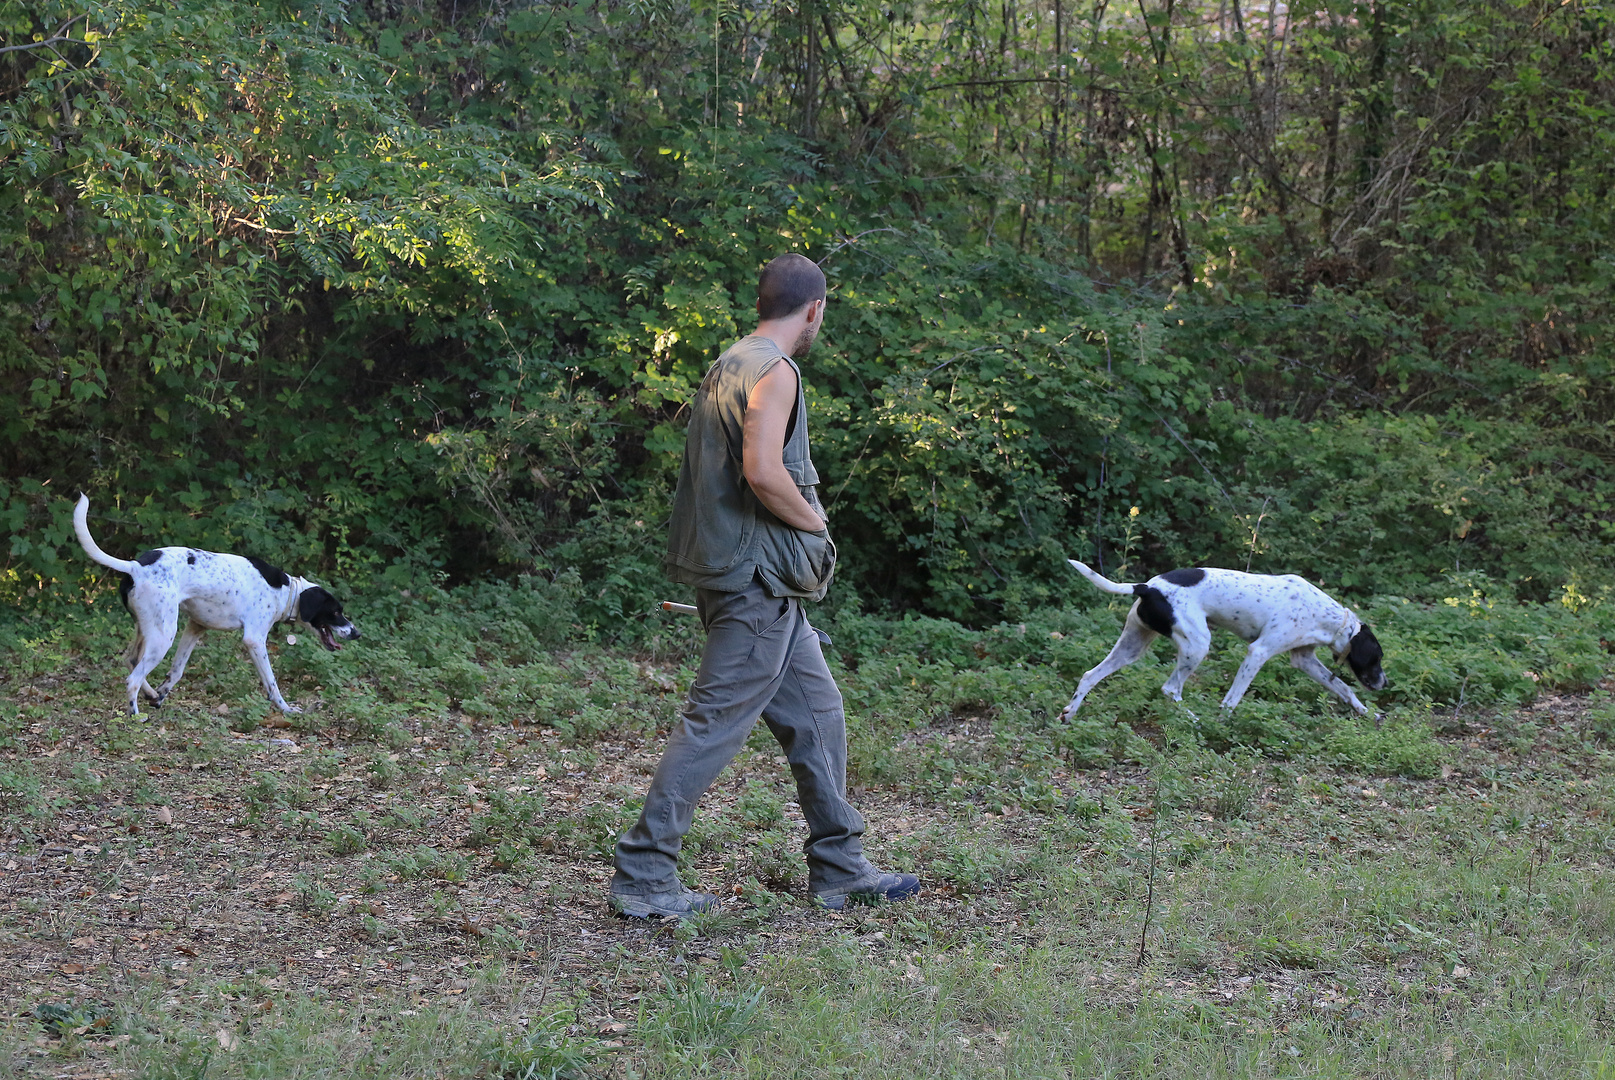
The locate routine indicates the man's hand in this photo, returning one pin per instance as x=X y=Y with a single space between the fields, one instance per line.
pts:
x=768 y=414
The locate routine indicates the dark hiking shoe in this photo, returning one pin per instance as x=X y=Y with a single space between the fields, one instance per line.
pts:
x=879 y=888
x=677 y=905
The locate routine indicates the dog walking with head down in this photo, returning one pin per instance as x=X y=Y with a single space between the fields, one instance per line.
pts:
x=748 y=532
x=214 y=591
x=1285 y=614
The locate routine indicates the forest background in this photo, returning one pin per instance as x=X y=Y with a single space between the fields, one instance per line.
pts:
x=410 y=291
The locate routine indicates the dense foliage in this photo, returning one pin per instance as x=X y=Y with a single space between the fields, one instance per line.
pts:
x=413 y=289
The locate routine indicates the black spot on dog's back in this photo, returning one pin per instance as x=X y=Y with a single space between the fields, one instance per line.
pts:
x=1154 y=609
x=1191 y=576
x=274 y=575
x=146 y=558
x=190 y=560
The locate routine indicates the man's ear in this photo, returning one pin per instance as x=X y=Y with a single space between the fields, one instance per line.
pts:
x=814 y=315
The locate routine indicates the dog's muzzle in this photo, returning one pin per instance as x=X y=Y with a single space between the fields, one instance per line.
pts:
x=328 y=635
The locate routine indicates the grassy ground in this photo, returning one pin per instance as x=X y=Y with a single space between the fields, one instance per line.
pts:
x=410 y=881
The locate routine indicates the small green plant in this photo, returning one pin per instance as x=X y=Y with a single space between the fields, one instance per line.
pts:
x=511 y=854
x=402 y=817
x=62 y=1020
x=20 y=796
x=372 y=879
x=262 y=796
x=759 y=805
x=1284 y=953
x=508 y=816
x=84 y=782
x=1601 y=717
x=422 y=861
x=302 y=822
x=384 y=771
x=313 y=896
x=544 y=1052
x=345 y=839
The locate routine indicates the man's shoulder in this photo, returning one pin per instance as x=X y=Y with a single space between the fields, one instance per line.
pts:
x=752 y=349
x=747 y=361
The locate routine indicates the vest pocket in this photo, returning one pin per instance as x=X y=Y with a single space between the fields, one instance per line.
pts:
x=809 y=560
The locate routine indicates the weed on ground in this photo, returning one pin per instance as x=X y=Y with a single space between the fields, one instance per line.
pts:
x=409 y=878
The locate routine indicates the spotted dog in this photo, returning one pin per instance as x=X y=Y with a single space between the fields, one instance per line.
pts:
x=215 y=592
x=1274 y=614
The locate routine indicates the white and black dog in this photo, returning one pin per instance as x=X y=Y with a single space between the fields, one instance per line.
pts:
x=216 y=592
x=1275 y=614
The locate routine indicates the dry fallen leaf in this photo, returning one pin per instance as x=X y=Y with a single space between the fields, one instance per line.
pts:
x=275 y=722
x=165 y=815
x=227 y=1039
x=72 y=969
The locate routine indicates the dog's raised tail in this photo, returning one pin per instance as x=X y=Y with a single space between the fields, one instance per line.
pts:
x=81 y=526
x=1100 y=581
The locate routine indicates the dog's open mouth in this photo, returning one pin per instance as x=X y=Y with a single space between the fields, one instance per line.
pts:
x=327 y=638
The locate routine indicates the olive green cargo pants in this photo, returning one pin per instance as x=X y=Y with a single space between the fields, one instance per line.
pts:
x=761 y=659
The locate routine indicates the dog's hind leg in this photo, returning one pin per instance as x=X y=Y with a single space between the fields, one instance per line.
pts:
x=1306 y=660
x=153 y=646
x=182 y=655
x=1135 y=640
x=259 y=651
x=131 y=655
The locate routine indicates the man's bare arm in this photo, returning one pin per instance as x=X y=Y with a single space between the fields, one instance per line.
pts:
x=768 y=414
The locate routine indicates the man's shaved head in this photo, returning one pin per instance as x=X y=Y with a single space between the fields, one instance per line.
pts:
x=787 y=284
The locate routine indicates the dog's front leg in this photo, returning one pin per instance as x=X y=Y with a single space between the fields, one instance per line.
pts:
x=1258 y=655
x=259 y=651
x=1306 y=660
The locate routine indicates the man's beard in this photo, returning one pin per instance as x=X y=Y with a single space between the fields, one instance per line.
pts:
x=805 y=341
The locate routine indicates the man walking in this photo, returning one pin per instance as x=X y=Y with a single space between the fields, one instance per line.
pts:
x=749 y=533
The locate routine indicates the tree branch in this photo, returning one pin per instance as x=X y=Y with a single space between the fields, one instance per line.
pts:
x=56 y=38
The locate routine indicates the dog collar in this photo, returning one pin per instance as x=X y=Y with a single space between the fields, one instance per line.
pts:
x=1345 y=630
x=298 y=585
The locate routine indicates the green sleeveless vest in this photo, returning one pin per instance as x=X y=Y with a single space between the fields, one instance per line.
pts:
x=720 y=536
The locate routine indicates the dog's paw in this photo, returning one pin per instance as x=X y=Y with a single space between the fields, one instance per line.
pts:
x=292 y=710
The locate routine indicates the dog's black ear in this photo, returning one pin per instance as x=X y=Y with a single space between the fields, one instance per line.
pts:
x=318 y=607
x=1364 y=657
